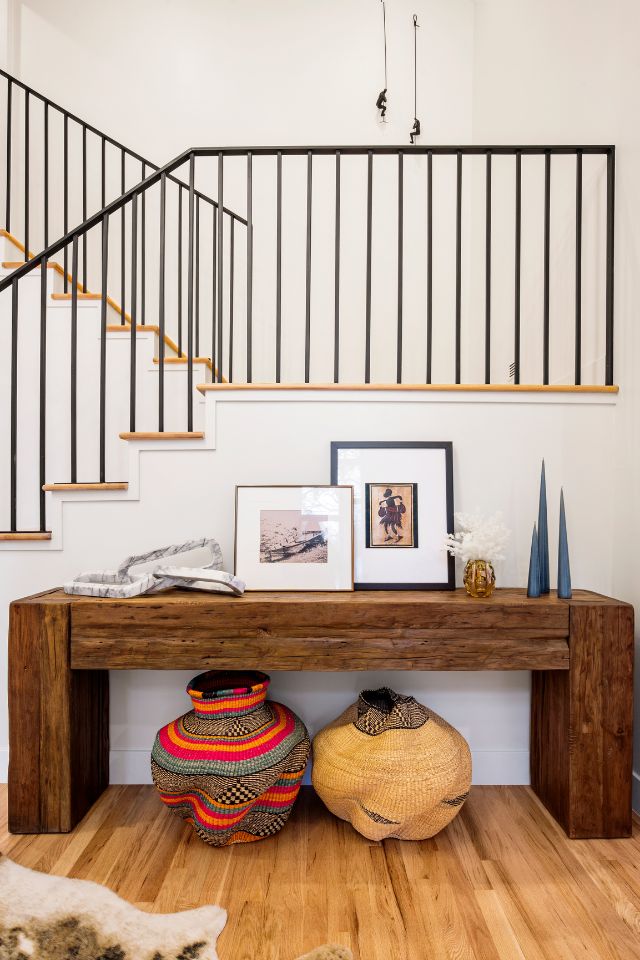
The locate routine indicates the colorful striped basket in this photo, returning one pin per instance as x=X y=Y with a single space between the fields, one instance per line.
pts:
x=233 y=765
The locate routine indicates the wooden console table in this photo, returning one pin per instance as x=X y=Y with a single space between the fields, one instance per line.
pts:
x=580 y=653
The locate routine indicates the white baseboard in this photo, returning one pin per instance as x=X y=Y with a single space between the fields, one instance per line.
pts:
x=490 y=767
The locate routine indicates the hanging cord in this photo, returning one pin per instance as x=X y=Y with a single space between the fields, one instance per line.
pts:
x=415 y=131
x=381 y=102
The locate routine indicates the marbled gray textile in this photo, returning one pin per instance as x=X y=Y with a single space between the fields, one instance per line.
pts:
x=123 y=583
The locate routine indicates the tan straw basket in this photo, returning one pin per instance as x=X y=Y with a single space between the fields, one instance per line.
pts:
x=392 y=767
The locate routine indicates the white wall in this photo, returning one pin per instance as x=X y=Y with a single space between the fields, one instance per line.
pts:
x=302 y=72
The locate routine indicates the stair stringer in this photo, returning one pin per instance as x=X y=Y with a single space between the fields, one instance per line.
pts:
x=60 y=501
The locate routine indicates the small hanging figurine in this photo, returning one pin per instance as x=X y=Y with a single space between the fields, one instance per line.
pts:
x=381 y=102
x=415 y=130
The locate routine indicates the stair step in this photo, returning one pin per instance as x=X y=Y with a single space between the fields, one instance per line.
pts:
x=81 y=296
x=126 y=328
x=25 y=535
x=206 y=360
x=164 y=435
x=73 y=487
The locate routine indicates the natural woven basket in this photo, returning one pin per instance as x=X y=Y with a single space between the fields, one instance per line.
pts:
x=392 y=767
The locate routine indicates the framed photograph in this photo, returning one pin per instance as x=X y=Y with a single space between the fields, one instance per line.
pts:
x=403 y=510
x=294 y=537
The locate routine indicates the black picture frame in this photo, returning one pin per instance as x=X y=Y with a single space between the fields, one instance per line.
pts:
x=447 y=447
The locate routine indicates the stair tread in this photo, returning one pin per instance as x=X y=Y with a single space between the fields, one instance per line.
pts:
x=25 y=535
x=163 y=435
x=113 y=485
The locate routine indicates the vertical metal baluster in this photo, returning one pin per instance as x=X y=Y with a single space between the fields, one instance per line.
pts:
x=278 y=267
x=143 y=253
x=43 y=394
x=578 y=345
x=26 y=175
x=429 y=263
x=179 y=271
x=7 y=199
x=134 y=305
x=197 y=277
x=307 y=335
x=161 y=316
x=103 y=173
x=232 y=258
x=65 y=198
x=547 y=235
x=190 y=300
x=611 y=184
x=73 y=406
x=367 y=344
x=214 y=294
x=122 y=241
x=336 y=279
x=13 y=494
x=249 y=271
x=103 y=346
x=84 y=206
x=487 y=275
x=218 y=364
x=518 y=245
x=458 y=265
x=400 y=263
x=46 y=175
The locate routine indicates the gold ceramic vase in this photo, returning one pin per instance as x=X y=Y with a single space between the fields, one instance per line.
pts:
x=479 y=578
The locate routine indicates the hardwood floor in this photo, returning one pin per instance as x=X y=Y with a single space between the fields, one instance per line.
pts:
x=501 y=882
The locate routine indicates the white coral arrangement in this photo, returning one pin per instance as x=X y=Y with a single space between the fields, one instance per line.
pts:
x=478 y=537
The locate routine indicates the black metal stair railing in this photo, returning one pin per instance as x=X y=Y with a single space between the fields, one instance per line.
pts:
x=228 y=276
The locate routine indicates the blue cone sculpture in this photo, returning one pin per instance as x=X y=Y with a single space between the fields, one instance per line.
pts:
x=533 y=586
x=564 y=570
x=543 y=535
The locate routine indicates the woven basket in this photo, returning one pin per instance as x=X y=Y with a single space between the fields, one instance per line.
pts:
x=392 y=767
x=233 y=765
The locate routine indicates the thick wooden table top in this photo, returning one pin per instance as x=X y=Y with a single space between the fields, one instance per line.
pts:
x=403 y=630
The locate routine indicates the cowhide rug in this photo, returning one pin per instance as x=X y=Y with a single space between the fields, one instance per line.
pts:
x=55 y=918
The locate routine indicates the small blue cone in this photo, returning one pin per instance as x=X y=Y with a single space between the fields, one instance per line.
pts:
x=543 y=535
x=533 y=586
x=564 y=570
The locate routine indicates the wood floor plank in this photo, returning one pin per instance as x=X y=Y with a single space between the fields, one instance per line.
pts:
x=501 y=883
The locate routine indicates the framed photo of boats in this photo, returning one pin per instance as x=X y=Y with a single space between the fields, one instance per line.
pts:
x=294 y=537
x=403 y=510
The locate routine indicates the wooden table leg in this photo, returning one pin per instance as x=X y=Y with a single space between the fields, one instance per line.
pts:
x=582 y=724
x=58 y=723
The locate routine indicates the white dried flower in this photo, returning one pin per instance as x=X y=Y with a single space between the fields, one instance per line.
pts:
x=478 y=537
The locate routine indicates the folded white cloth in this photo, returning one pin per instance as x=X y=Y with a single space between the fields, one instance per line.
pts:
x=126 y=582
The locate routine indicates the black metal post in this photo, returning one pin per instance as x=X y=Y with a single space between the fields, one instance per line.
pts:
x=518 y=244
x=458 y=265
x=65 y=197
x=161 y=304
x=578 y=345
x=232 y=258
x=103 y=172
x=214 y=292
x=143 y=253
x=179 y=271
x=43 y=394
x=13 y=469
x=190 y=298
x=73 y=406
x=400 y=264
x=487 y=275
x=26 y=175
x=7 y=212
x=123 y=254
x=429 y=263
x=134 y=319
x=336 y=279
x=367 y=332
x=84 y=207
x=307 y=332
x=611 y=179
x=217 y=367
x=197 y=347
x=278 y=267
x=46 y=175
x=545 y=293
x=103 y=346
x=249 y=273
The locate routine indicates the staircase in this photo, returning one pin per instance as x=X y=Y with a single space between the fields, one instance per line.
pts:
x=370 y=267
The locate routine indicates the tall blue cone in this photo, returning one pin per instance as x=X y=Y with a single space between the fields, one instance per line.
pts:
x=533 y=586
x=564 y=571
x=543 y=535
